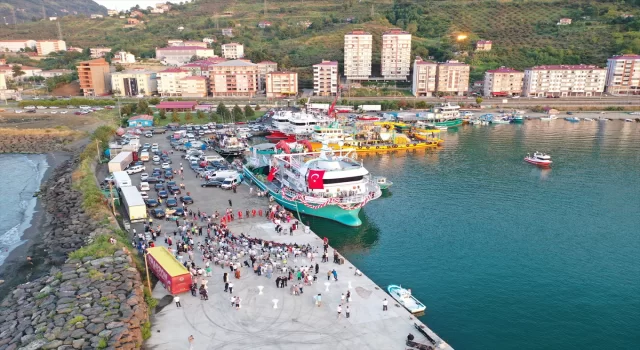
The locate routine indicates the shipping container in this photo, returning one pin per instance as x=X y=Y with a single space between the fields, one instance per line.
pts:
x=120 y=162
x=122 y=179
x=133 y=203
x=174 y=276
x=371 y=108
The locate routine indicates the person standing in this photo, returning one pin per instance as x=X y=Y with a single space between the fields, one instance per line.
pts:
x=339 y=310
x=384 y=304
x=191 y=339
x=347 y=312
x=225 y=279
x=348 y=296
x=342 y=297
x=317 y=268
x=176 y=299
x=230 y=287
x=230 y=204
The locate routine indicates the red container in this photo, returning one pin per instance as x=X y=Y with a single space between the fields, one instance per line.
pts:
x=174 y=276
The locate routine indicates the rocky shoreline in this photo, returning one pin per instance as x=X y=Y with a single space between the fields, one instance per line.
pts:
x=35 y=143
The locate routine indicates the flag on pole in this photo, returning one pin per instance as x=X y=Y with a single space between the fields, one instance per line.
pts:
x=272 y=174
x=315 y=179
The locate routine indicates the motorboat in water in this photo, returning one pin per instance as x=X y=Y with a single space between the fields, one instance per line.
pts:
x=382 y=182
x=549 y=117
x=588 y=119
x=538 y=158
x=628 y=120
x=572 y=119
x=404 y=297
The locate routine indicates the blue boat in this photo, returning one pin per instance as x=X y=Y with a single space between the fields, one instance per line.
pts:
x=572 y=119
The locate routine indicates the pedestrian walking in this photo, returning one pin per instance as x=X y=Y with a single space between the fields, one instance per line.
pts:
x=233 y=301
x=348 y=296
x=339 y=310
x=230 y=287
x=230 y=204
x=191 y=339
x=176 y=299
x=384 y=304
x=342 y=297
x=317 y=268
x=347 y=311
x=318 y=300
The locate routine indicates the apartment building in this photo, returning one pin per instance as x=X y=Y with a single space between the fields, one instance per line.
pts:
x=123 y=57
x=16 y=45
x=134 y=82
x=95 y=77
x=623 y=75
x=193 y=86
x=484 y=45
x=281 y=84
x=503 y=82
x=97 y=52
x=265 y=67
x=425 y=77
x=45 y=47
x=564 y=80
x=179 y=55
x=232 y=51
x=453 y=78
x=233 y=78
x=54 y=73
x=169 y=81
x=396 y=54
x=325 y=78
x=358 y=46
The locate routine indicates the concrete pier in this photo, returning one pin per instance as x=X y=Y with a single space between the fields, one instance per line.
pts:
x=296 y=323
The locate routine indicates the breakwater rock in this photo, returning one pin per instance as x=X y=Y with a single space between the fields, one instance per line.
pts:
x=83 y=304
x=35 y=143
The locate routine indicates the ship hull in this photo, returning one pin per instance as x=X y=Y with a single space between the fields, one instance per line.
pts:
x=331 y=212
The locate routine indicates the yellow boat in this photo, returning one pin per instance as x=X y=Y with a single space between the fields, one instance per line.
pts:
x=363 y=146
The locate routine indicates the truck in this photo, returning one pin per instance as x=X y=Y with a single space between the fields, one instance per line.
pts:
x=120 y=162
x=121 y=179
x=371 y=108
x=177 y=135
x=171 y=273
x=144 y=156
x=133 y=203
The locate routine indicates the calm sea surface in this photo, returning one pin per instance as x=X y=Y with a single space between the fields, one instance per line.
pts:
x=506 y=255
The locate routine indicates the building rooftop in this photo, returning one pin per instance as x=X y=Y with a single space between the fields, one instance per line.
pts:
x=267 y=62
x=358 y=32
x=194 y=77
x=232 y=44
x=174 y=70
x=483 y=42
x=181 y=48
x=235 y=63
x=282 y=73
x=419 y=60
x=395 y=31
x=566 y=67
x=141 y=117
x=628 y=56
x=453 y=63
x=504 y=70
x=326 y=63
x=100 y=61
x=135 y=71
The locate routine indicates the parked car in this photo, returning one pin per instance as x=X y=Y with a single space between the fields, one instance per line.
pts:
x=154 y=180
x=151 y=203
x=211 y=183
x=166 y=166
x=168 y=174
x=174 y=190
x=171 y=203
x=186 y=200
x=155 y=158
x=144 y=186
x=158 y=213
x=135 y=169
x=148 y=134
x=144 y=195
x=144 y=177
x=163 y=194
x=179 y=212
x=158 y=187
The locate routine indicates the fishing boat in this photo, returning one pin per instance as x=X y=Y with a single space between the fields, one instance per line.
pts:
x=368 y=118
x=406 y=299
x=588 y=119
x=446 y=115
x=383 y=182
x=500 y=120
x=229 y=146
x=549 y=118
x=328 y=184
x=334 y=133
x=628 y=120
x=572 y=119
x=517 y=119
x=277 y=135
x=540 y=159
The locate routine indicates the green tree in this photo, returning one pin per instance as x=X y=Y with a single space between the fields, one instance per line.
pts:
x=237 y=113
x=478 y=100
x=154 y=101
x=142 y=105
x=126 y=110
x=200 y=115
x=149 y=111
x=302 y=101
x=222 y=110
x=215 y=117
x=421 y=105
x=163 y=114
x=257 y=107
x=174 y=117
x=17 y=71
x=119 y=67
x=188 y=117
x=248 y=111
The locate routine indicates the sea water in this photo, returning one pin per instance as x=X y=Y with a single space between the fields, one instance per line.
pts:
x=506 y=255
x=21 y=176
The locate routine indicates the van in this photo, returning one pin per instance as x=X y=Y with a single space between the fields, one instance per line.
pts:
x=213 y=158
x=230 y=182
x=223 y=174
x=85 y=107
x=144 y=156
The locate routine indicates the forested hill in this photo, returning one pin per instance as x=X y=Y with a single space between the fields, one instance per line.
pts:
x=30 y=10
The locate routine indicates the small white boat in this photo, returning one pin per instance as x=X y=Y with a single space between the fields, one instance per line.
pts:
x=587 y=119
x=549 y=117
x=628 y=120
x=540 y=159
x=404 y=297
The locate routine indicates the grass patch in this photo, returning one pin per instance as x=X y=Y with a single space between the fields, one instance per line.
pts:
x=100 y=248
x=41 y=295
x=146 y=330
x=59 y=275
x=102 y=344
x=95 y=274
x=72 y=322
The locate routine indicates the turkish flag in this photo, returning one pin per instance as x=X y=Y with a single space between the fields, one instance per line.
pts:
x=315 y=179
x=272 y=174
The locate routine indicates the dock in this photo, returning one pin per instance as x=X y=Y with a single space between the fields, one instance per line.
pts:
x=296 y=322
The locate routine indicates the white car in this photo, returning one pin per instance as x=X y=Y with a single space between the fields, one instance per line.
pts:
x=146 y=145
x=144 y=177
x=19 y=111
x=135 y=169
x=144 y=195
x=155 y=145
x=54 y=107
x=156 y=158
x=155 y=149
x=166 y=166
x=41 y=107
x=54 y=112
x=144 y=186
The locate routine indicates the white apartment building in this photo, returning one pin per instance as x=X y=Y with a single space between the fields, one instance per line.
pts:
x=123 y=57
x=169 y=81
x=623 y=75
x=282 y=84
x=564 y=80
x=325 y=78
x=396 y=54
x=453 y=78
x=358 y=45
x=134 y=82
x=265 y=67
x=45 y=47
x=16 y=45
x=503 y=82
x=425 y=77
x=179 y=55
x=98 y=52
x=232 y=51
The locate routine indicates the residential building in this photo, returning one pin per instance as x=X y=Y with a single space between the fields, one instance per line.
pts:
x=193 y=86
x=95 y=77
x=453 y=78
x=112 y=13
x=54 y=72
x=179 y=55
x=234 y=78
x=564 y=80
x=95 y=16
x=623 y=75
x=133 y=21
x=232 y=51
x=178 y=106
x=16 y=45
x=45 y=47
x=7 y=70
x=169 y=81
x=53 y=18
x=227 y=32
x=97 y=52
x=264 y=24
x=477 y=88
x=425 y=77
x=358 y=45
x=74 y=49
x=265 y=67
x=484 y=45
x=175 y=42
x=564 y=21
x=202 y=67
x=3 y=82
x=178 y=42
x=136 y=14
x=281 y=84
x=134 y=82
x=325 y=78
x=140 y=120
x=396 y=54
x=208 y=40
x=123 y=57
x=157 y=11
x=503 y=82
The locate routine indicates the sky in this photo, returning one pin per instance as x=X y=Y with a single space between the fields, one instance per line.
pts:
x=127 y=4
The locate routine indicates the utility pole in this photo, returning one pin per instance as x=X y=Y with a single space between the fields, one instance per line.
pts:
x=265 y=7
x=59 y=31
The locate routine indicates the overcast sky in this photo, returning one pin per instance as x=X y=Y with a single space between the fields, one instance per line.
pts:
x=127 y=4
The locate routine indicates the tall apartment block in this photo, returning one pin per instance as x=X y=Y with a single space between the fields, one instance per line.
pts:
x=425 y=75
x=358 y=46
x=453 y=78
x=623 y=75
x=564 y=80
x=503 y=82
x=396 y=54
x=95 y=77
x=233 y=78
x=325 y=78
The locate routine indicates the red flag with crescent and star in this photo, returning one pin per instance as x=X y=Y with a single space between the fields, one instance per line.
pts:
x=315 y=179
x=272 y=174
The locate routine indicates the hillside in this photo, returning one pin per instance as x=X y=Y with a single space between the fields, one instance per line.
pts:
x=29 y=10
x=524 y=33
